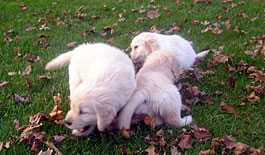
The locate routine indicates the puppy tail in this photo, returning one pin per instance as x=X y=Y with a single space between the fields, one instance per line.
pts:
x=202 y=54
x=60 y=61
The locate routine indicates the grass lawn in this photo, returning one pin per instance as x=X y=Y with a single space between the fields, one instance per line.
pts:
x=43 y=29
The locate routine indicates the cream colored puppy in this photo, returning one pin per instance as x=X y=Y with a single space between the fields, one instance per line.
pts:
x=156 y=94
x=145 y=43
x=101 y=79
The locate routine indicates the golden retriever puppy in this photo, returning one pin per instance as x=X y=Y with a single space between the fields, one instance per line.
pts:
x=156 y=94
x=101 y=79
x=145 y=43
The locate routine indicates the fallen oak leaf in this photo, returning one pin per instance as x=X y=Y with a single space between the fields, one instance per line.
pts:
x=20 y=99
x=3 y=83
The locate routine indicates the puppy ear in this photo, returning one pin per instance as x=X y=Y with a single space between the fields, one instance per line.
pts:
x=105 y=114
x=175 y=67
x=150 y=46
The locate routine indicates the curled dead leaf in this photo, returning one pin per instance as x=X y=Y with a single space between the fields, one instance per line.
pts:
x=56 y=113
x=20 y=99
x=123 y=150
x=71 y=45
x=3 y=83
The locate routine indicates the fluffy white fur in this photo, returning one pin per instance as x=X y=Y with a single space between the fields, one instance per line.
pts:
x=101 y=79
x=145 y=43
x=156 y=94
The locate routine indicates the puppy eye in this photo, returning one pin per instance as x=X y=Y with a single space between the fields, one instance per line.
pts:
x=135 y=47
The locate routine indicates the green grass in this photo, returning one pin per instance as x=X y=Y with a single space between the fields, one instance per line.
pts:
x=41 y=96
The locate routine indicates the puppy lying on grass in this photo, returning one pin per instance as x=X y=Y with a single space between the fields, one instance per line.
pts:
x=101 y=79
x=156 y=94
x=145 y=43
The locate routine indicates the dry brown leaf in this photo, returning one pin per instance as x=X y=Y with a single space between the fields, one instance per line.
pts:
x=32 y=137
x=206 y=152
x=228 y=108
x=229 y=142
x=201 y=134
x=159 y=139
x=174 y=151
x=123 y=150
x=252 y=98
x=35 y=119
x=186 y=141
x=3 y=83
x=230 y=81
x=150 y=121
x=127 y=133
x=50 y=145
x=217 y=59
x=57 y=99
x=139 y=20
x=151 y=150
x=153 y=14
x=30 y=29
x=48 y=152
x=20 y=99
x=71 y=45
x=258 y=76
x=45 y=77
x=56 y=113
x=28 y=82
x=57 y=139
x=27 y=70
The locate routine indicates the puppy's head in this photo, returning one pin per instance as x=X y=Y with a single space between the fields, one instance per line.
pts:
x=87 y=112
x=142 y=47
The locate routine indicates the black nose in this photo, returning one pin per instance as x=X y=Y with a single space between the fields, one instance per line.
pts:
x=68 y=122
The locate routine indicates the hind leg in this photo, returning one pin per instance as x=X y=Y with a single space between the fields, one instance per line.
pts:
x=171 y=111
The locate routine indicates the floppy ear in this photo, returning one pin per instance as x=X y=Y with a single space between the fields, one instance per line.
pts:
x=150 y=46
x=105 y=114
x=175 y=67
